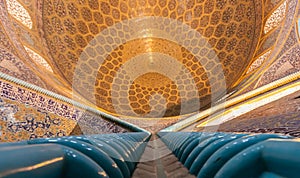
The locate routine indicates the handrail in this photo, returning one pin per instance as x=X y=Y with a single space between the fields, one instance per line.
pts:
x=234 y=154
x=105 y=155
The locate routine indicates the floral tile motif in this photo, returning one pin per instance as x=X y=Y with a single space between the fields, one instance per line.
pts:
x=89 y=123
x=26 y=114
x=282 y=61
x=19 y=121
x=39 y=101
x=12 y=65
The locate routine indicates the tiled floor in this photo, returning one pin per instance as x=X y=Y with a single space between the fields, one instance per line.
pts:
x=158 y=161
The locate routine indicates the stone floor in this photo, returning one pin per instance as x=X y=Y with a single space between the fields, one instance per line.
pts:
x=158 y=161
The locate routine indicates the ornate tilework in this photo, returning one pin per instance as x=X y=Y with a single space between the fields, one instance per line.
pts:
x=22 y=122
x=287 y=64
x=19 y=12
x=258 y=61
x=13 y=37
x=4 y=41
x=228 y=26
x=270 y=5
x=39 y=101
x=26 y=114
x=91 y=124
x=282 y=116
x=281 y=45
x=10 y=64
x=290 y=42
x=61 y=28
x=275 y=19
x=268 y=42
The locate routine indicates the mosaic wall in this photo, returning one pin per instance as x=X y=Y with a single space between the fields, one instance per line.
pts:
x=282 y=116
x=288 y=64
x=23 y=54
x=155 y=125
x=13 y=66
x=42 y=41
x=282 y=47
x=287 y=59
x=25 y=114
x=20 y=122
x=270 y=5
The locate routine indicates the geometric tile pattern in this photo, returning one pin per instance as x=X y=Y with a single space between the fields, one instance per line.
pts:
x=227 y=26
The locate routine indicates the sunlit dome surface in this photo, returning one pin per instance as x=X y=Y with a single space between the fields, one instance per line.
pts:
x=79 y=34
x=147 y=58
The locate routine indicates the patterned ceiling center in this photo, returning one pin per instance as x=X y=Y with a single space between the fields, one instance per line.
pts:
x=226 y=27
x=153 y=80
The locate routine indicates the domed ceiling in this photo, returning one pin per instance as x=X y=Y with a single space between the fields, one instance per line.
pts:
x=152 y=58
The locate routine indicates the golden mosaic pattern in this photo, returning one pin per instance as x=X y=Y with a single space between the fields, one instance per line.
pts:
x=22 y=41
x=227 y=26
x=283 y=59
x=150 y=84
x=60 y=30
x=28 y=114
x=21 y=122
x=257 y=63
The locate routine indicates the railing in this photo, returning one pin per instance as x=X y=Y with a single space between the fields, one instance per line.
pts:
x=235 y=155
x=107 y=155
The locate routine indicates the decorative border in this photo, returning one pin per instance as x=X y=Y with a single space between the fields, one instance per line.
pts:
x=39 y=101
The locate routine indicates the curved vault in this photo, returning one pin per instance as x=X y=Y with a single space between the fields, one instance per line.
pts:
x=229 y=28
